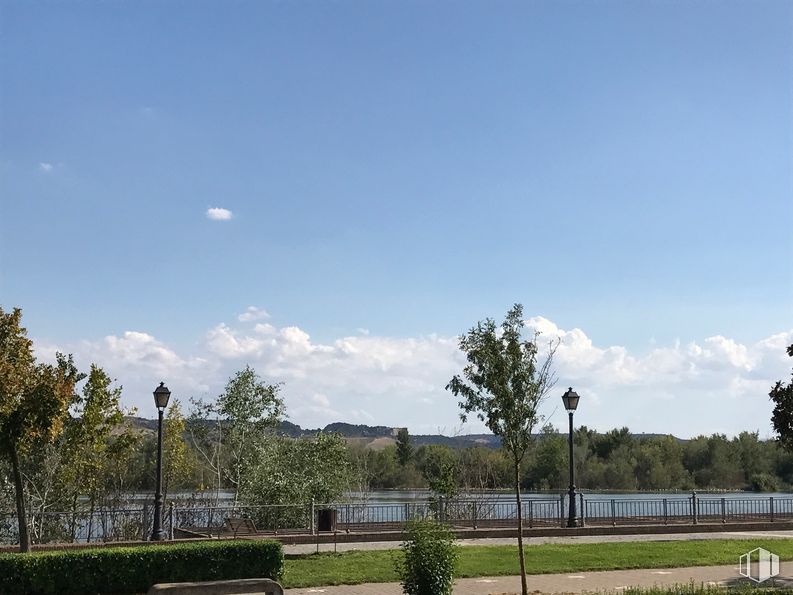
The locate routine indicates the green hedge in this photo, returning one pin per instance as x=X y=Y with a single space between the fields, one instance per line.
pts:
x=122 y=570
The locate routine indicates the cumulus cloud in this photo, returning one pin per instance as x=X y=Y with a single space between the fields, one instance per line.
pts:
x=138 y=361
x=253 y=313
x=701 y=386
x=218 y=214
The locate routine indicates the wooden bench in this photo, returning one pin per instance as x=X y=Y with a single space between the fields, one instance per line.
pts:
x=240 y=526
x=260 y=586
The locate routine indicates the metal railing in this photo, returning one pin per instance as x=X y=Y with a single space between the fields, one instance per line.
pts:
x=463 y=514
x=693 y=510
x=182 y=519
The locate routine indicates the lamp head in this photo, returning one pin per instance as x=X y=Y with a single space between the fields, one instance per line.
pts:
x=161 y=396
x=570 y=399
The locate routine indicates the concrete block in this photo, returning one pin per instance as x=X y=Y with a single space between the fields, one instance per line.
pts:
x=246 y=586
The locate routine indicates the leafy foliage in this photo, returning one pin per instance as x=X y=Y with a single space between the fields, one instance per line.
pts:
x=34 y=402
x=782 y=418
x=404 y=449
x=130 y=570
x=503 y=383
x=178 y=460
x=439 y=465
x=293 y=472
x=95 y=439
x=429 y=559
x=227 y=433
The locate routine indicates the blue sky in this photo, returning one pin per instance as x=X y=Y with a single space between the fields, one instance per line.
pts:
x=396 y=171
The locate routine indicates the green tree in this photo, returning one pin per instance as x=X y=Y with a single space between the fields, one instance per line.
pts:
x=404 y=447
x=782 y=418
x=439 y=466
x=227 y=433
x=482 y=469
x=34 y=402
x=606 y=444
x=385 y=468
x=756 y=459
x=290 y=471
x=503 y=384
x=550 y=464
x=177 y=458
x=249 y=407
x=95 y=438
x=620 y=471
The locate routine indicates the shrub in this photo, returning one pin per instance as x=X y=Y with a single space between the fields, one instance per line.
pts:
x=764 y=482
x=120 y=570
x=430 y=557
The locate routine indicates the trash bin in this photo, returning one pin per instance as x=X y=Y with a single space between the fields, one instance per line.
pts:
x=326 y=519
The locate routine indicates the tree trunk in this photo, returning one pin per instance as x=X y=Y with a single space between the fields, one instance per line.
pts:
x=91 y=519
x=73 y=527
x=523 y=588
x=24 y=535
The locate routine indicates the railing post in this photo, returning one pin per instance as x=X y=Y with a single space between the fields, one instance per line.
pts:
x=347 y=518
x=170 y=520
x=407 y=512
x=581 y=508
x=666 y=513
x=771 y=507
x=144 y=533
x=531 y=513
x=561 y=510
x=473 y=513
x=311 y=521
x=694 y=508
x=723 y=510
x=613 y=513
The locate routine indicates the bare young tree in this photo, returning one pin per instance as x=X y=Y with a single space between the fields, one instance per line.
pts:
x=503 y=384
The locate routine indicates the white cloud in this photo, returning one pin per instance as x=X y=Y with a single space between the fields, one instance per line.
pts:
x=253 y=313
x=138 y=361
x=218 y=214
x=226 y=343
x=701 y=386
x=46 y=167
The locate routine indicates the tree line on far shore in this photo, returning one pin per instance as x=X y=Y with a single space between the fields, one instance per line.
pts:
x=615 y=460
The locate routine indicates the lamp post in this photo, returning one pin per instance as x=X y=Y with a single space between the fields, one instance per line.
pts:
x=161 y=396
x=570 y=400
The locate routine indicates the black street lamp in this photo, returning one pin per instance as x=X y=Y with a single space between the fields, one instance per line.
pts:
x=161 y=396
x=570 y=400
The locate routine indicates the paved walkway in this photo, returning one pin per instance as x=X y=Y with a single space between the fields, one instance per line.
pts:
x=612 y=581
x=308 y=548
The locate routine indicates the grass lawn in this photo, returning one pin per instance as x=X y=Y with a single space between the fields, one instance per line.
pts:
x=377 y=566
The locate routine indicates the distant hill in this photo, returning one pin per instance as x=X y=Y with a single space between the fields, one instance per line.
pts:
x=376 y=437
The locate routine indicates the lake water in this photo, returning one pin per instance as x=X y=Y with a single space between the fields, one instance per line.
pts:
x=226 y=497
x=386 y=496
